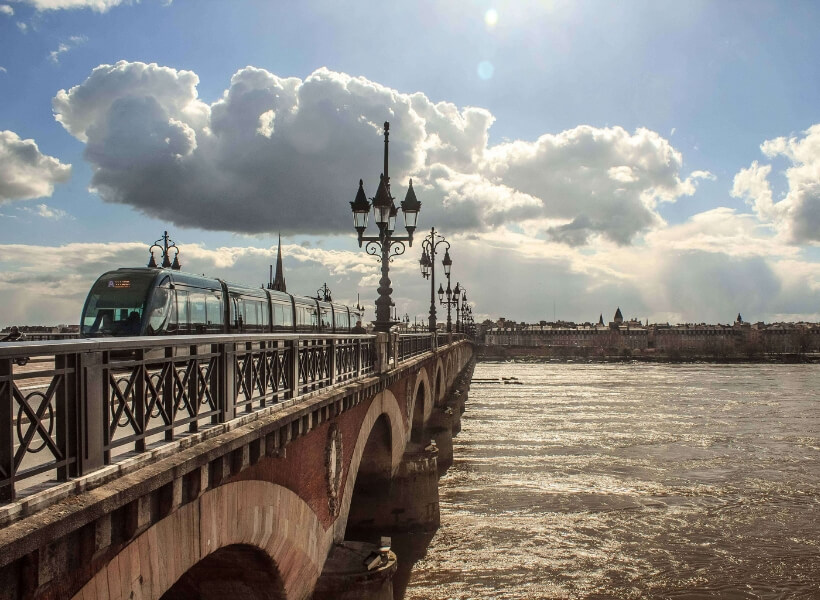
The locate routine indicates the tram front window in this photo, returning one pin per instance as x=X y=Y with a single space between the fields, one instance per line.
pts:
x=115 y=305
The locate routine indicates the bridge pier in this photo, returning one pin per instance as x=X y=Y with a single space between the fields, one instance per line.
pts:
x=356 y=571
x=441 y=429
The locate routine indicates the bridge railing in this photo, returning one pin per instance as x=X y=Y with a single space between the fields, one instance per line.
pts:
x=80 y=404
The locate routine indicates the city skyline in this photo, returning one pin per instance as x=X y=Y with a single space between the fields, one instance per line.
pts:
x=578 y=155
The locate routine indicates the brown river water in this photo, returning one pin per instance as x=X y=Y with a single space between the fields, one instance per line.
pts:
x=630 y=481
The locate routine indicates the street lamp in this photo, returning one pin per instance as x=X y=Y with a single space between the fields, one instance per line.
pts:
x=428 y=267
x=167 y=245
x=452 y=297
x=461 y=303
x=385 y=245
x=324 y=293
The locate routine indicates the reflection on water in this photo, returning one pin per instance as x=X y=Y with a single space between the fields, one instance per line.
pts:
x=630 y=481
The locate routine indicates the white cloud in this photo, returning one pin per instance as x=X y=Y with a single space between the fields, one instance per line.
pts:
x=3 y=70
x=284 y=153
x=25 y=172
x=5 y=9
x=47 y=212
x=95 y=5
x=797 y=214
x=22 y=26
x=73 y=42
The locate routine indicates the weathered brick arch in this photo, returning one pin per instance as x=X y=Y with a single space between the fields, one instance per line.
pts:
x=253 y=513
x=439 y=382
x=422 y=384
x=384 y=403
x=451 y=369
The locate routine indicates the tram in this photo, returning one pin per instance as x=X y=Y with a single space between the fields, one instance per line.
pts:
x=143 y=301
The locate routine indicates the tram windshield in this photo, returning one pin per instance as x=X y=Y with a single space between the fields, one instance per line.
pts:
x=115 y=305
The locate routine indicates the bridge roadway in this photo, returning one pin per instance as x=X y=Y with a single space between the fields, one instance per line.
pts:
x=211 y=466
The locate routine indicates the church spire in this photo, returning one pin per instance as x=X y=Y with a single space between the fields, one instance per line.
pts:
x=278 y=283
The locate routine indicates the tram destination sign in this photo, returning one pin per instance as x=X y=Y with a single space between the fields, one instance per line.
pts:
x=119 y=284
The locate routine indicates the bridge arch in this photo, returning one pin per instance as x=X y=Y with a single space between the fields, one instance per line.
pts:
x=256 y=519
x=420 y=407
x=235 y=571
x=383 y=435
x=439 y=387
x=450 y=369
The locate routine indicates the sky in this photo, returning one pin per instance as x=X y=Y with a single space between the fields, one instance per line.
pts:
x=661 y=157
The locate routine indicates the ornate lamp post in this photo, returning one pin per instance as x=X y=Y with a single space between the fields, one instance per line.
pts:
x=324 y=293
x=385 y=245
x=452 y=299
x=461 y=306
x=428 y=267
x=167 y=245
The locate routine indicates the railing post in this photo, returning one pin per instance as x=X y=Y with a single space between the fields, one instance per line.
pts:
x=332 y=360
x=294 y=373
x=139 y=402
x=67 y=414
x=382 y=352
x=193 y=387
x=358 y=357
x=91 y=386
x=7 y=430
x=168 y=392
x=227 y=391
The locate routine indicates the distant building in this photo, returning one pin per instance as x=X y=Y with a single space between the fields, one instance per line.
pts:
x=740 y=338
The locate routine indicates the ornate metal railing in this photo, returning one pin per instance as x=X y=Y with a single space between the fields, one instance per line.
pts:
x=413 y=344
x=79 y=404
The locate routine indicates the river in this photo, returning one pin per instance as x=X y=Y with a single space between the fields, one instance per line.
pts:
x=631 y=481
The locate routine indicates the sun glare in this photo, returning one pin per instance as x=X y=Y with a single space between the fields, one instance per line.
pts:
x=491 y=17
x=485 y=69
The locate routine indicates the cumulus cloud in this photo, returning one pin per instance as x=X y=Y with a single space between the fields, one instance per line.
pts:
x=5 y=9
x=25 y=172
x=797 y=214
x=95 y=5
x=285 y=153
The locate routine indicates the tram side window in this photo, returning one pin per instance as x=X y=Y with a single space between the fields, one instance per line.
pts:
x=236 y=316
x=327 y=323
x=197 y=312
x=264 y=314
x=251 y=314
x=213 y=309
x=160 y=310
x=183 y=320
x=342 y=319
x=282 y=317
x=306 y=318
x=287 y=315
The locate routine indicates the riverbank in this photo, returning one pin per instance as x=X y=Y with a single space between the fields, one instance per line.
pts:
x=587 y=355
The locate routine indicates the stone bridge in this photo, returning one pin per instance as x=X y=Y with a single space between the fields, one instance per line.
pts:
x=219 y=466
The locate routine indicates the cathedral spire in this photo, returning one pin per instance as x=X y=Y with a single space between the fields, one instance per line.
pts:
x=278 y=283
